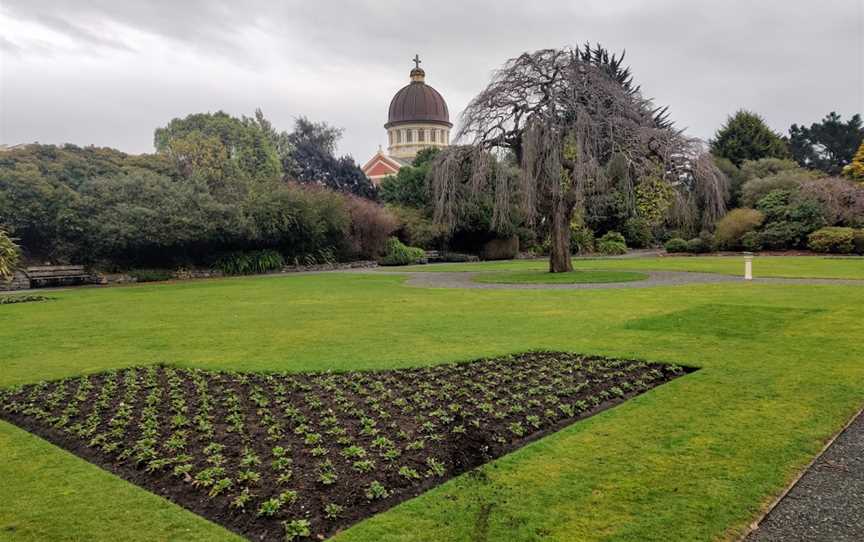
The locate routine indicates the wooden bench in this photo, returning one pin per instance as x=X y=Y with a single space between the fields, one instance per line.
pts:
x=57 y=275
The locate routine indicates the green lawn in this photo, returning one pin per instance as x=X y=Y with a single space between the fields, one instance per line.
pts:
x=540 y=276
x=695 y=459
x=850 y=267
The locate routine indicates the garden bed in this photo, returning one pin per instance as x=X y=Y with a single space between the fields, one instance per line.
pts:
x=270 y=455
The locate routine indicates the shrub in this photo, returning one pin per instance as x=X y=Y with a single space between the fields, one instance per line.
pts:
x=752 y=241
x=757 y=169
x=842 y=201
x=151 y=275
x=371 y=225
x=12 y=299
x=858 y=242
x=732 y=227
x=790 y=180
x=9 y=255
x=612 y=243
x=399 y=254
x=637 y=232
x=676 y=244
x=832 y=239
x=416 y=229
x=581 y=239
x=698 y=245
x=500 y=249
x=247 y=263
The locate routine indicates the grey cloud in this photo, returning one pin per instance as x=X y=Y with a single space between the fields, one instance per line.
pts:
x=791 y=60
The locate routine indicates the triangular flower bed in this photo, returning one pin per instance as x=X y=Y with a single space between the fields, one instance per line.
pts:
x=276 y=456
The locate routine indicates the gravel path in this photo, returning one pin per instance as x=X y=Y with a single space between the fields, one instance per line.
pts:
x=827 y=503
x=655 y=278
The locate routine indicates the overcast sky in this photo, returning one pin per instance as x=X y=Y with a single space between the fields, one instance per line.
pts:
x=107 y=72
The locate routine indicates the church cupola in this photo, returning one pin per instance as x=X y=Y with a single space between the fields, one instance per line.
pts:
x=418 y=118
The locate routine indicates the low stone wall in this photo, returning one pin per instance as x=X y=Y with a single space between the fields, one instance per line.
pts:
x=364 y=264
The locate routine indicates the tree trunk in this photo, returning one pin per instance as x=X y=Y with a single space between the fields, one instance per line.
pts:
x=559 y=254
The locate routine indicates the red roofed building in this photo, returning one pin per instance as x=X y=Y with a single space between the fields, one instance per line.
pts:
x=418 y=118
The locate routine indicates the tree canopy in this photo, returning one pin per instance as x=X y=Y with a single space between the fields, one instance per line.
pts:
x=746 y=136
x=314 y=160
x=828 y=145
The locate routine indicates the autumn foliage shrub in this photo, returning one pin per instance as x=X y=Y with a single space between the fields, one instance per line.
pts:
x=732 y=227
x=370 y=226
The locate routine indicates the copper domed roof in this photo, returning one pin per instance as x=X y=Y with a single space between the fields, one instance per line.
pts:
x=418 y=102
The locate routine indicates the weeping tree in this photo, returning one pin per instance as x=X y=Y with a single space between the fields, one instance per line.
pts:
x=578 y=126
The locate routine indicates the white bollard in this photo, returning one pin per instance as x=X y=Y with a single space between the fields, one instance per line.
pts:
x=748 y=266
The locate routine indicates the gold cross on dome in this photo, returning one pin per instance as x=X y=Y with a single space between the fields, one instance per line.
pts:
x=417 y=61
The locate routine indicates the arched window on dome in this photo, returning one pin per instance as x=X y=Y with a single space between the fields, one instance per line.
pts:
x=409 y=136
x=433 y=133
x=398 y=136
x=390 y=135
x=421 y=135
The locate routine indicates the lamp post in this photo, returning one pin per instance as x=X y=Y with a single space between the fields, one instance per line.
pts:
x=748 y=266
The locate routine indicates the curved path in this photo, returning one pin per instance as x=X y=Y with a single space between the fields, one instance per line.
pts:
x=465 y=279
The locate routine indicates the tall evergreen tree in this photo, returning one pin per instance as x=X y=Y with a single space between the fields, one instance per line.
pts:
x=314 y=160
x=828 y=145
x=746 y=136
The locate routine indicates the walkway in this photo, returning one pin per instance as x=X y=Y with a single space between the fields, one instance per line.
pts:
x=445 y=279
x=827 y=503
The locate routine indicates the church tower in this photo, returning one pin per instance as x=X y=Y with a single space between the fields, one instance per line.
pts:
x=417 y=119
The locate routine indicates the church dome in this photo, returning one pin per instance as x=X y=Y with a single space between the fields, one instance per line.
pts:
x=418 y=102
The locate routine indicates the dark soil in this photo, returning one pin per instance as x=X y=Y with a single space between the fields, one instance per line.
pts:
x=264 y=453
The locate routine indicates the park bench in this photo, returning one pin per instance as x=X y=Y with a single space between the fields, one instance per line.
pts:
x=57 y=275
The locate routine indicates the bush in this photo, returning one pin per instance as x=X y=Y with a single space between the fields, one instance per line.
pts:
x=151 y=275
x=752 y=241
x=247 y=263
x=790 y=180
x=581 y=239
x=832 y=239
x=858 y=242
x=637 y=232
x=732 y=227
x=757 y=169
x=399 y=254
x=842 y=201
x=612 y=243
x=416 y=229
x=676 y=244
x=500 y=249
x=698 y=245
x=370 y=226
